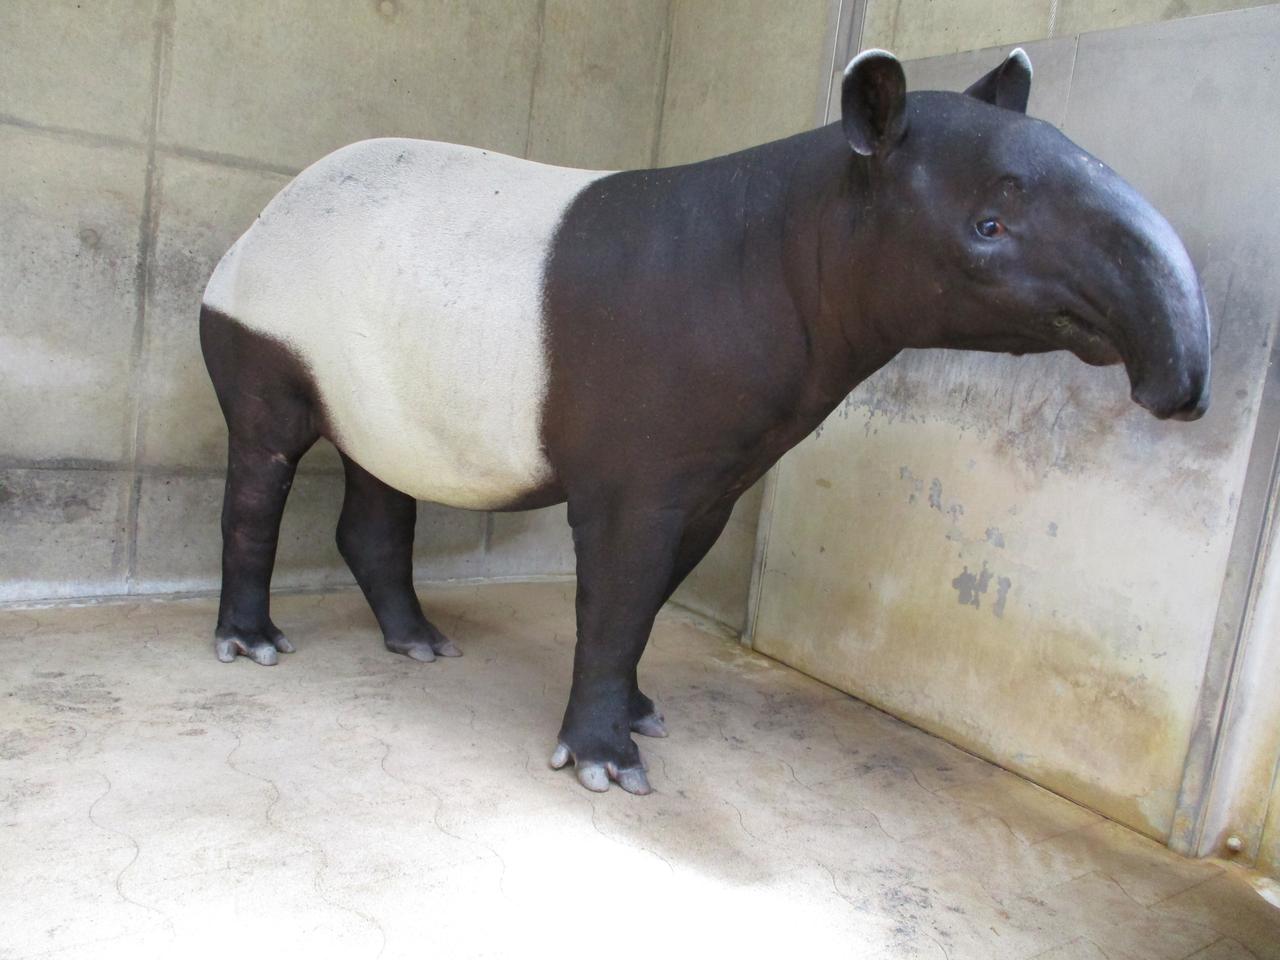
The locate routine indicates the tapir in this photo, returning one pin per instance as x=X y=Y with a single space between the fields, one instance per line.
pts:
x=491 y=333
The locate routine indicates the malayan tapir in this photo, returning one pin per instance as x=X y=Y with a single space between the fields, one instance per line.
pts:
x=497 y=334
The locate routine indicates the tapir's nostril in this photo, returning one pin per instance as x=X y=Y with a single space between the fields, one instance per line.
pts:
x=1167 y=408
x=1194 y=409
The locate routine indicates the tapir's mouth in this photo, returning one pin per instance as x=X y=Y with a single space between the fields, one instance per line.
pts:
x=1068 y=329
x=1176 y=398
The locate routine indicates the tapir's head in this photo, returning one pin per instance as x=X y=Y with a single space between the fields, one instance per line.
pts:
x=993 y=231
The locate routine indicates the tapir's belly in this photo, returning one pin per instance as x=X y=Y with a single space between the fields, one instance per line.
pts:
x=407 y=277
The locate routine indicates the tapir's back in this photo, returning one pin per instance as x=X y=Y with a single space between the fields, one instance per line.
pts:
x=406 y=275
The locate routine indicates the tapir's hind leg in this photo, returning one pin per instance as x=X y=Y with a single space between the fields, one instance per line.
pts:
x=271 y=423
x=258 y=481
x=375 y=537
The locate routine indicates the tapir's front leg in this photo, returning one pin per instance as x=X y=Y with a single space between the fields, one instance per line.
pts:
x=698 y=539
x=626 y=555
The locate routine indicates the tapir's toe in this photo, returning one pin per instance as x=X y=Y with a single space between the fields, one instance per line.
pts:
x=596 y=776
x=424 y=646
x=652 y=725
x=633 y=780
x=263 y=647
x=417 y=651
x=446 y=648
x=282 y=644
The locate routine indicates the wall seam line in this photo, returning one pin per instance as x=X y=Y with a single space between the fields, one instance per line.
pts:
x=225 y=159
x=85 y=137
x=1239 y=657
x=1071 y=81
x=90 y=138
x=146 y=254
x=847 y=29
x=1215 y=702
x=537 y=76
x=760 y=556
x=825 y=105
x=142 y=469
x=664 y=73
x=347 y=585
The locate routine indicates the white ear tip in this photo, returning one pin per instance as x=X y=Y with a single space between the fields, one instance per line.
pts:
x=1021 y=55
x=869 y=54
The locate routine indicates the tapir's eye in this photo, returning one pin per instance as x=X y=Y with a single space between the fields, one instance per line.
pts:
x=990 y=228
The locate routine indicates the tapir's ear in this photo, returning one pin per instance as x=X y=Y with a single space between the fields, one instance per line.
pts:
x=873 y=102
x=1008 y=85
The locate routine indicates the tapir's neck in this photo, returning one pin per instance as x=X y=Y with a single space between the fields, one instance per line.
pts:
x=745 y=277
x=805 y=201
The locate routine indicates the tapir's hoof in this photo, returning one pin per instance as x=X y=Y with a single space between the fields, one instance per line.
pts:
x=596 y=776
x=258 y=647
x=654 y=725
x=447 y=648
x=414 y=651
x=426 y=647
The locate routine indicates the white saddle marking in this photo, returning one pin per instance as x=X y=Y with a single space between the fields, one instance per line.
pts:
x=407 y=275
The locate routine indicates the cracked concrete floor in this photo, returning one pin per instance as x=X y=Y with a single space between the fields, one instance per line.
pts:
x=351 y=803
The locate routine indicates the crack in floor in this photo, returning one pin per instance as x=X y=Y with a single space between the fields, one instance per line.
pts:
x=317 y=881
x=439 y=804
x=118 y=882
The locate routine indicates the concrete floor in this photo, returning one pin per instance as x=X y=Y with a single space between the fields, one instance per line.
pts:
x=351 y=803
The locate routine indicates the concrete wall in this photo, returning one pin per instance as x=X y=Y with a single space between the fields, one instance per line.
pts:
x=138 y=139
x=928 y=28
x=1006 y=551
x=741 y=72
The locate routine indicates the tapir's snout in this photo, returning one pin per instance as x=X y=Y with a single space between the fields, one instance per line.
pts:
x=1195 y=402
x=1194 y=409
x=1168 y=361
x=1155 y=305
x=1189 y=405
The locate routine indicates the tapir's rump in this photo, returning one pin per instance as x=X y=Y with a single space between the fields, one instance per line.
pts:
x=406 y=276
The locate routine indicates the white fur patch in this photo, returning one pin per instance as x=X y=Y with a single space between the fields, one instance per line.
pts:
x=1021 y=55
x=870 y=53
x=407 y=275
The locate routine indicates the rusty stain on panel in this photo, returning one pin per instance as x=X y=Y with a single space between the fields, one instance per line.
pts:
x=970 y=587
x=1003 y=586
